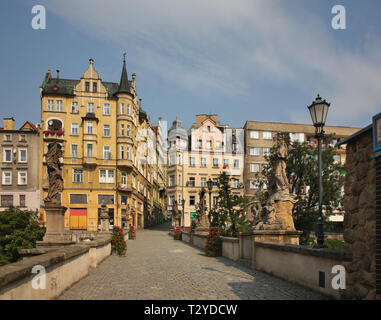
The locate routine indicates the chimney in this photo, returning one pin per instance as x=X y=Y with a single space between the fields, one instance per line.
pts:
x=58 y=74
x=9 y=124
x=49 y=74
x=140 y=102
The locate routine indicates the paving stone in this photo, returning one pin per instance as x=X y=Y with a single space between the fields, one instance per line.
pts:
x=158 y=267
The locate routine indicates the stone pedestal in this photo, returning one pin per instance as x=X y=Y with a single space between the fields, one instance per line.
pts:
x=105 y=224
x=55 y=226
x=277 y=236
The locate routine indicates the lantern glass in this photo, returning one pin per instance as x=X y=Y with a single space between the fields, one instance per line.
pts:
x=210 y=184
x=319 y=111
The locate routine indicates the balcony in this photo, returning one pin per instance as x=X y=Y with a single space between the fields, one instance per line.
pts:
x=54 y=134
x=90 y=161
x=124 y=187
x=124 y=163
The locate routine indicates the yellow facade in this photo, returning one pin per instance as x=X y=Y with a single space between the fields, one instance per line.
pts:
x=99 y=123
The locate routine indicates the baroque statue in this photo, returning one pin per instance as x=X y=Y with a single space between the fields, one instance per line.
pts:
x=203 y=221
x=54 y=172
x=176 y=213
x=276 y=212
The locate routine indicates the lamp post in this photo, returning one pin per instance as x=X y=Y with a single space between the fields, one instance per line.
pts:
x=183 y=203
x=210 y=187
x=318 y=110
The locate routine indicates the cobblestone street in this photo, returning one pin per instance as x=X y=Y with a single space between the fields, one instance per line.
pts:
x=158 y=267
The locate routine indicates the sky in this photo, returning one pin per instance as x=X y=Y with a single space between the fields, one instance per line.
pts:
x=261 y=60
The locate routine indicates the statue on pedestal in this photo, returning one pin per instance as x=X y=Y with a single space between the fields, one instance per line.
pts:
x=105 y=223
x=54 y=173
x=175 y=214
x=276 y=212
x=203 y=221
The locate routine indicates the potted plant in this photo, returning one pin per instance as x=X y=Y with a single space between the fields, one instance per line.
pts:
x=132 y=233
x=118 y=244
x=178 y=233
x=213 y=247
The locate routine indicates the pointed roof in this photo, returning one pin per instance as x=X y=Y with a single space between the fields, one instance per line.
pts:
x=124 y=86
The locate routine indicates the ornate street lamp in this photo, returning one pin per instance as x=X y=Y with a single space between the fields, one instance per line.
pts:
x=183 y=203
x=210 y=187
x=319 y=110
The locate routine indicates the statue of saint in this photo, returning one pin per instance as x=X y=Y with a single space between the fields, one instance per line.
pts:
x=54 y=172
x=281 y=181
x=175 y=213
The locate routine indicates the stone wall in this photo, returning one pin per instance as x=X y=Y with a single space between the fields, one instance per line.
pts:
x=360 y=218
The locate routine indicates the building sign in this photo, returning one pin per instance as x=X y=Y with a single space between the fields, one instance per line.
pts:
x=377 y=132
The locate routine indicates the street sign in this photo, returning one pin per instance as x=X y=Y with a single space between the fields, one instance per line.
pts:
x=377 y=132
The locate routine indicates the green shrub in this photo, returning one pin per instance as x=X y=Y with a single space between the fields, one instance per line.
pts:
x=19 y=229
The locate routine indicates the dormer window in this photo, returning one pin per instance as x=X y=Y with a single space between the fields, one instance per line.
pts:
x=95 y=89
x=87 y=86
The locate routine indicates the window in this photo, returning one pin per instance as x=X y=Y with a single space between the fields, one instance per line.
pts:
x=192 y=182
x=254 y=135
x=105 y=198
x=106 y=176
x=128 y=153
x=180 y=180
x=236 y=183
x=215 y=182
x=122 y=111
x=7 y=177
x=22 y=138
x=22 y=200
x=22 y=178
x=236 y=164
x=215 y=201
x=128 y=130
x=254 y=151
x=254 y=184
x=215 y=162
x=22 y=155
x=122 y=152
x=128 y=109
x=90 y=107
x=192 y=200
x=106 y=130
x=95 y=89
x=172 y=181
x=199 y=143
x=50 y=105
x=218 y=145
x=297 y=137
x=6 y=200
x=106 y=153
x=203 y=182
x=7 y=155
x=78 y=198
x=59 y=106
x=87 y=86
x=89 y=127
x=337 y=158
x=209 y=144
x=8 y=137
x=123 y=199
x=78 y=175
x=192 y=162
x=266 y=151
x=122 y=130
x=254 y=167
x=124 y=178
x=74 y=107
x=267 y=135
x=226 y=163
x=74 y=129
x=89 y=149
x=74 y=151
x=106 y=109
x=203 y=162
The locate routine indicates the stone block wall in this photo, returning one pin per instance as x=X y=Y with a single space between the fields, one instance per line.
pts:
x=360 y=218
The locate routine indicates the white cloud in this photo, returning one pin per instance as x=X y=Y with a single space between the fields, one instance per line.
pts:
x=223 y=46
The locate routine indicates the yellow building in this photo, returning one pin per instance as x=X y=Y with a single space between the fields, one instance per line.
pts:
x=96 y=123
x=203 y=152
